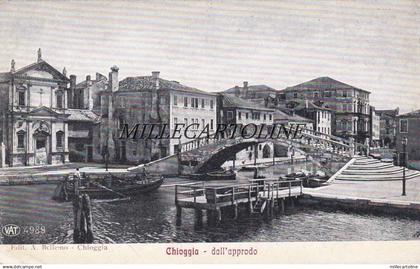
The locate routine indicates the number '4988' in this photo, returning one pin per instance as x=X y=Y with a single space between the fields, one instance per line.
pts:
x=34 y=229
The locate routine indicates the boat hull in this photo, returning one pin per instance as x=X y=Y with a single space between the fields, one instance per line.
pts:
x=131 y=190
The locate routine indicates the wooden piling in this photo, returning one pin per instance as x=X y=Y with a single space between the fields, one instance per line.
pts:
x=82 y=218
x=292 y=202
x=198 y=216
x=282 y=205
x=178 y=215
x=218 y=216
x=235 y=211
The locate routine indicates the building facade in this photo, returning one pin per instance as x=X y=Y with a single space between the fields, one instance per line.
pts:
x=388 y=126
x=408 y=126
x=350 y=105
x=321 y=117
x=254 y=93
x=33 y=116
x=375 y=128
x=152 y=100
x=236 y=110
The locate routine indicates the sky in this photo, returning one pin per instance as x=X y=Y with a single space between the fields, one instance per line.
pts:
x=215 y=45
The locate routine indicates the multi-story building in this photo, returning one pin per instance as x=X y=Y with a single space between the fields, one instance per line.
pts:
x=408 y=126
x=375 y=128
x=33 y=114
x=350 y=104
x=321 y=117
x=283 y=118
x=388 y=126
x=255 y=93
x=152 y=100
x=86 y=94
x=235 y=110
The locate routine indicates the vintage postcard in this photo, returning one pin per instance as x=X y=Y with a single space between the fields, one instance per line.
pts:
x=210 y=131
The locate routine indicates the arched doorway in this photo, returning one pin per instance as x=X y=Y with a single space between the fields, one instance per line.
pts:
x=266 y=151
x=41 y=142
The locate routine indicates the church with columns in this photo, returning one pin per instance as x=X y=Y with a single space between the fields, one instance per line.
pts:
x=33 y=114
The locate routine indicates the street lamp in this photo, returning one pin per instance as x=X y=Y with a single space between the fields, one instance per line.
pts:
x=404 y=144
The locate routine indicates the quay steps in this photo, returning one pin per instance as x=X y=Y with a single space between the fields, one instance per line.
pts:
x=369 y=169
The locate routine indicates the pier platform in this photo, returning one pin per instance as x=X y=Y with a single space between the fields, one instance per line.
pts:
x=258 y=196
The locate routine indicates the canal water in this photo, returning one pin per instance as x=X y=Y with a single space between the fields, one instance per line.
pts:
x=151 y=219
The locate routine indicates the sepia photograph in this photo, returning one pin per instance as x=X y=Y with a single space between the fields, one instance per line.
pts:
x=169 y=122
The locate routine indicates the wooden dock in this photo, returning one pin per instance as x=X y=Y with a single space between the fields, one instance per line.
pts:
x=260 y=196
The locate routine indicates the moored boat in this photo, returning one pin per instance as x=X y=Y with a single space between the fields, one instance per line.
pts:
x=108 y=187
x=215 y=175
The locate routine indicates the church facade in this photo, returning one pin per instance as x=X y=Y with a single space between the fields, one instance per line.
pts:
x=33 y=118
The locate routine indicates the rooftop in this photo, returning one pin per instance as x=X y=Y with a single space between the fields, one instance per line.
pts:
x=282 y=116
x=82 y=115
x=252 y=88
x=323 y=83
x=233 y=101
x=149 y=83
x=413 y=114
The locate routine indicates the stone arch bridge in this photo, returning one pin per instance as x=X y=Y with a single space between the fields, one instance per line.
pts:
x=208 y=154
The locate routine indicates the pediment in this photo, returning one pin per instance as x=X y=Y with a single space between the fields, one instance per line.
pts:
x=44 y=111
x=41 y=70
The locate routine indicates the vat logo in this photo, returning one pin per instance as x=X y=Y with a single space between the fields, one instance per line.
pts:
x=10 y=230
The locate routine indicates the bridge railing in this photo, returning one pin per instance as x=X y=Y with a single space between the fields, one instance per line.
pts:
x=313 y=138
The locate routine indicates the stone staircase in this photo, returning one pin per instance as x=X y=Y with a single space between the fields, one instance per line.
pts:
x=369 y=169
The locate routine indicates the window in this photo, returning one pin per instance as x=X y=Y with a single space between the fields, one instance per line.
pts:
x=270 y=116
x=295 y=95
x=211 y=124
x=239 y=115
x=21 y=100
x=121 y=123
x=175 y=121
x=175 y=100
x=229 y=115
x=211 y=104
x=59 y=100
x=265 y=116
x=192 y=102
x=21 y=140
x=403 y=126
x=316 y=95
x=202 y=103
x=186 y=121
x=203 y=123
x=246 y=115
x=185 y=101
x=59 y=139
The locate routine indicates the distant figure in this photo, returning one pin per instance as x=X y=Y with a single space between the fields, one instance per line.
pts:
x=76 y=174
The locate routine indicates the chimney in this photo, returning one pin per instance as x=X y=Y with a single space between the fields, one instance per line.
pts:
x=71 y=96
x=65 y=72
x=113 y=79
x=72 y=81
x=39 y=55
x=245 y=90
x=155 y=77
x=12 y=66
x=88 y=81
